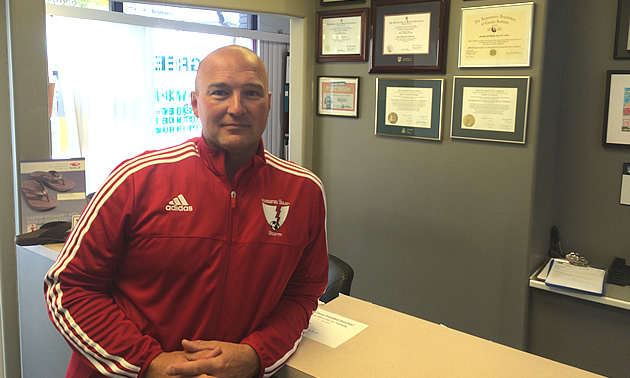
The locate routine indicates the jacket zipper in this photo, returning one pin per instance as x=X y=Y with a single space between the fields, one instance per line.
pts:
x=228 y=256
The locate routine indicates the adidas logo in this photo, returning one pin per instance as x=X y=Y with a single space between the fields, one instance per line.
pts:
x=178 y=203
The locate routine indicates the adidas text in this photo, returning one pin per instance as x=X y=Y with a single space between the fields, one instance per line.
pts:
x=179 y=208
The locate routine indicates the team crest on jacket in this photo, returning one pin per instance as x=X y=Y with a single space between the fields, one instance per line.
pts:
x=276 y=212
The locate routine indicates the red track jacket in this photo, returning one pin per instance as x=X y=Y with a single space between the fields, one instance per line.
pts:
x=168 y=249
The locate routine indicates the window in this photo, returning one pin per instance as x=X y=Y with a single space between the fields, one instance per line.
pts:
x=123 y=88
x=93 y=4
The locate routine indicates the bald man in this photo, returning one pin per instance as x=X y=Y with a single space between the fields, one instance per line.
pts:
x=203 y=259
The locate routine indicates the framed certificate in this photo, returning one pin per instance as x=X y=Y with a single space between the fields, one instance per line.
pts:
x=338 y=96
x=490 y=108
x=409 y=36
x=617 y=111
x=342 y=35
x=496 y=36
x=410 y=108
x=622 y=35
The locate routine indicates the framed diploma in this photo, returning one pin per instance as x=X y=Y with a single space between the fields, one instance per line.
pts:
x=342 y=35
x=490 y=108
x=496 y=36
x=622 y=36
x=617 y=111
x=338 y=96
x=410 y=108
x=409 y=36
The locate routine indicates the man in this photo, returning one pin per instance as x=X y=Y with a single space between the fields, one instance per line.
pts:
x=214 y=240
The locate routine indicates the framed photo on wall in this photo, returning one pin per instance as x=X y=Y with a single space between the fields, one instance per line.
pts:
x=622 y=35
x=490 y=108
x=409 y=36
x=496 y=36
x=410 y=108
x=338 y=96
x=342 y=35
x=617 y=110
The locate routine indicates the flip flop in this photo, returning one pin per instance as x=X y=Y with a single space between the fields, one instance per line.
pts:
x=48 y=233
x=53 y=180
x=37 y=196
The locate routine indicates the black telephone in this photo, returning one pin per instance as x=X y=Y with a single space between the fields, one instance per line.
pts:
x=555 y=245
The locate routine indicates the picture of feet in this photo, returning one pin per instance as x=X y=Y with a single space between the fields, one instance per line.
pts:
x=51 y=191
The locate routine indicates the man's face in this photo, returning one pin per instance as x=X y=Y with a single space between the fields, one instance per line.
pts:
x=232 y=100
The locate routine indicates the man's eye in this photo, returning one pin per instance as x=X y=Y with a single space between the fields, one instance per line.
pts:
x=218 y=92
x=253 y=93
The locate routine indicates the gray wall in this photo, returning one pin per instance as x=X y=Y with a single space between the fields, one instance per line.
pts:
x=450 y=231
x=588 y=183
x=586 y=196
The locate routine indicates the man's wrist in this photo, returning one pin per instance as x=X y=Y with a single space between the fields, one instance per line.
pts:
x=254 y=359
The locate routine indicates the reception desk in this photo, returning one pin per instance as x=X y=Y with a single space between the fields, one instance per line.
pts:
x=399 y=345
x=392 y=345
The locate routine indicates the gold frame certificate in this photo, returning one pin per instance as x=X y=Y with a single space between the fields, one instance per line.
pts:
x=406 y=33
x=496 y=36
x=490 y=108
x=409 y=108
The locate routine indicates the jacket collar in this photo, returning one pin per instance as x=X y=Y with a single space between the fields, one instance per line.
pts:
x=215 y=159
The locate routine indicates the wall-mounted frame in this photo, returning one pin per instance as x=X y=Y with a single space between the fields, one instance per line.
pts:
x=342 y=35
x=622 y=35
x=340 y=2
x=409 y=36
x=410 y=108
x=490 y=108
x=338 y=96
x=617 y=110
x=496 y=35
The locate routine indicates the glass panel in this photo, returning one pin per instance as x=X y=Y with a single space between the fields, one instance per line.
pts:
x=129 y=87
x=93 y=4
x=194 y=15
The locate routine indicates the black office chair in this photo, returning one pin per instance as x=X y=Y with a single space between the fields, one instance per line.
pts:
x=340 y=276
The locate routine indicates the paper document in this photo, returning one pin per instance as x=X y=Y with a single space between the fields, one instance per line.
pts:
x=582 y=278
x=332 y=329
x=543 y=273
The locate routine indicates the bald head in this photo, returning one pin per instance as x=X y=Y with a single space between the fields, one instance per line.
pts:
x=234 y=57
x=232 y=101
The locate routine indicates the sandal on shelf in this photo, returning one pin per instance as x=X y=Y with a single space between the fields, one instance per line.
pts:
x=48 y=233
x=37 y=196
x=53 y=180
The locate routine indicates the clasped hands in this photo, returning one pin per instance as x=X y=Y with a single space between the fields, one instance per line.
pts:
x=206 y=359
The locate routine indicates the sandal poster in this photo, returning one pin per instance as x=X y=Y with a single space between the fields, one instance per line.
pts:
x=51 y=191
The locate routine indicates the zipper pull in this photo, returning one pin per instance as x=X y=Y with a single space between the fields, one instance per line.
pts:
x=233 y=195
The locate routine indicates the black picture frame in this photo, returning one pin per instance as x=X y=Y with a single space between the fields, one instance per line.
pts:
x=361 y=55
x=617 y=109
x=428 y=124
x=423 y=56
x=345 y=103
x=465 y=127
x=622 y=49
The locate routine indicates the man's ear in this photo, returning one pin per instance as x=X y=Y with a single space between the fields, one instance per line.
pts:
x=193 y=103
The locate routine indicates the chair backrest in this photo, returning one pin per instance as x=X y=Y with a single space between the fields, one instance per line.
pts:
x=340 y=275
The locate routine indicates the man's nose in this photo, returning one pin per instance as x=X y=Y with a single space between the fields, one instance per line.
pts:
x=236 y=104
